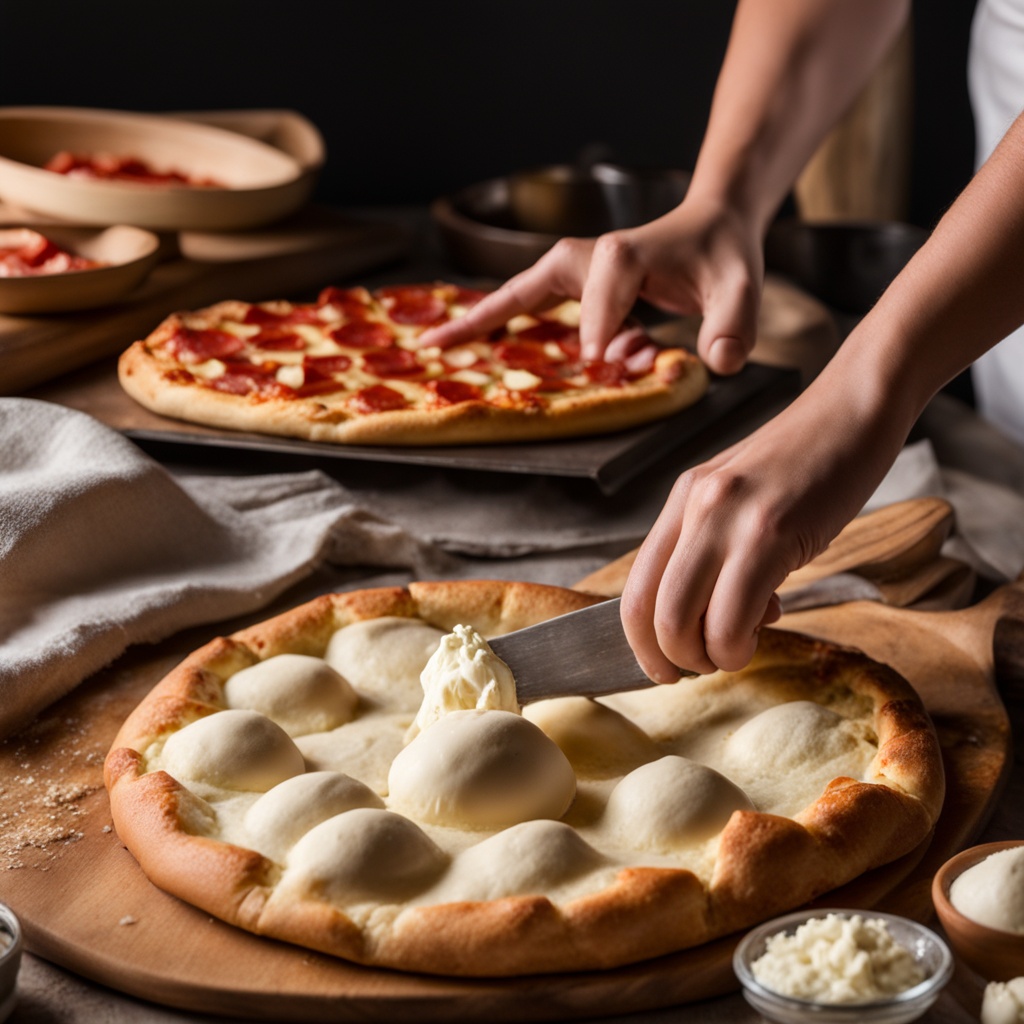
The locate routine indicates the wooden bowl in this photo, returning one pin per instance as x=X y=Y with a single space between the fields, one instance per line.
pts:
x=502 y=226
x=259 y=182
x=129 y=254
x=994 y=954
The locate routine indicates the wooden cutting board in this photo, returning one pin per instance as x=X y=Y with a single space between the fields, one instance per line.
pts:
x=317 y=246
x=86 y=905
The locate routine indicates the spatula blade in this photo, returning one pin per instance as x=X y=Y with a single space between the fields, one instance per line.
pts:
x=581 y=653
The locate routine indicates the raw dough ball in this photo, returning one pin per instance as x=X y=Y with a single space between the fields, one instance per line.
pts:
x=481 y=770
x=599 y=742
x=365 y=854
x=787 y=736
x=383 y=658
x=532 y=857
x=279 y=818
x=232 y=750
x=672 y=802
x=301 y=693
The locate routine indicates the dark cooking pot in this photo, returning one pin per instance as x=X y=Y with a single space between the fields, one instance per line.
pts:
x=504 y=225
x=845 y=264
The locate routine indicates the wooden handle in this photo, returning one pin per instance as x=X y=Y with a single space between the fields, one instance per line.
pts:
x=887 y=546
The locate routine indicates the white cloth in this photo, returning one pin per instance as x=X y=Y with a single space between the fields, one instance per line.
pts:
x=996 y=80
x=100 y=548
x=989 y=531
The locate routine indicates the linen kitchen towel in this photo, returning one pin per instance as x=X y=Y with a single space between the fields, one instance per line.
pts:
x=100 y=548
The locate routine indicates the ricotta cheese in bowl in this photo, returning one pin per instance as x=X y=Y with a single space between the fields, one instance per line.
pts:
x=10 y=960
x=992 y=892
x=836 y=965
x=1003 y=1002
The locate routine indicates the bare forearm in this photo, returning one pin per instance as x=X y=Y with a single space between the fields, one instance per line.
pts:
x=961 y=294
x=791 y=69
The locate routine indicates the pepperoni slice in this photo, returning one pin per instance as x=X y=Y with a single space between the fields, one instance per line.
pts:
x=353 y=302
x=192 y=346
x=363 y=334
x=468 y=296
x=296 y=315
x=378 y=398
x=611 y=374
x=524 y=355
x=451 y=392
x=317 y=380
x=392 y=362
x=548 y=330
x=256 y=380
x=279 y=339
x=414 y=305
x=327 y=364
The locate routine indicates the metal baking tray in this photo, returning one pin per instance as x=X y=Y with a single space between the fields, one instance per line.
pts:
x=731 y=407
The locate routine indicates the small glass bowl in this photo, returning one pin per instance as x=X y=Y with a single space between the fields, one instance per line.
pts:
x=10 y=961
x=926 y=947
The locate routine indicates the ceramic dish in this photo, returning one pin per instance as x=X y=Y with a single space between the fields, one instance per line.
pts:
x=994 y=954
x=129 y=254
x=259 y=182
x=10 y=960
x=927 y=948
x=498 y=227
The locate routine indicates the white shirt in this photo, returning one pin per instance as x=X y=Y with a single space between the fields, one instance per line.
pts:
x=995 y=75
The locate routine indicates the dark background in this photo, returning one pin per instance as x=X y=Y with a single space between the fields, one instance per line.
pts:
x=417 y=99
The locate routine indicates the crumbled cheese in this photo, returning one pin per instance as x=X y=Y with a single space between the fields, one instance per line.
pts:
x=836 y=959
x=520 y=380
x=291 y=376
x=1003 y=1002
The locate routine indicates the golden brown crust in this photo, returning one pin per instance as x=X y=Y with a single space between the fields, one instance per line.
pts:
x=155 y=380
x=764 y=864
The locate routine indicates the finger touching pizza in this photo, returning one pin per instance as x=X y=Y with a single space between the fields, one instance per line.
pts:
x=349 y=369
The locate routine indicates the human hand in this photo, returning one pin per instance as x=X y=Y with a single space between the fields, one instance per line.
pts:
x=732 y=529
x=699 y=258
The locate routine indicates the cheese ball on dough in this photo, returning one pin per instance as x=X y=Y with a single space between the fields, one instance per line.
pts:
x=301 y=693
x=232 y=750
x=531 y=857
x=383 y=658
x=600 y=743
x=671 y=803
x=279 y=818
x=365 y=854
x=481 y=770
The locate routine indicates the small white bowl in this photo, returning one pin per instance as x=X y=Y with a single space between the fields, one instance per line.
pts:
x=10 y=961
x=926 y=947
x=260 y=183
x=129 y=254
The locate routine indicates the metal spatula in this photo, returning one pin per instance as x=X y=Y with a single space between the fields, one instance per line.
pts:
x=583 y=653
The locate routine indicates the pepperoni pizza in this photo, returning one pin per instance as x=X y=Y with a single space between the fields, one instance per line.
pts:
x=349 y=368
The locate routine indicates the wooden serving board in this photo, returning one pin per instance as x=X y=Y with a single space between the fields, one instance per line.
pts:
x=317 y=246
x=86 y=905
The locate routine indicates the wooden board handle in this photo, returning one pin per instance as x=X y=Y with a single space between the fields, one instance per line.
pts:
x=886 y=546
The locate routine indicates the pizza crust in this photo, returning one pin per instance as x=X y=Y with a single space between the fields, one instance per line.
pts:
x=676 y=380
x=555 y=892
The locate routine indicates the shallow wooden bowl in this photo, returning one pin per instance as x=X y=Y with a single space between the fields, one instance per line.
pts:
x=994 y=954
x=260 y=183
x=129 y=254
